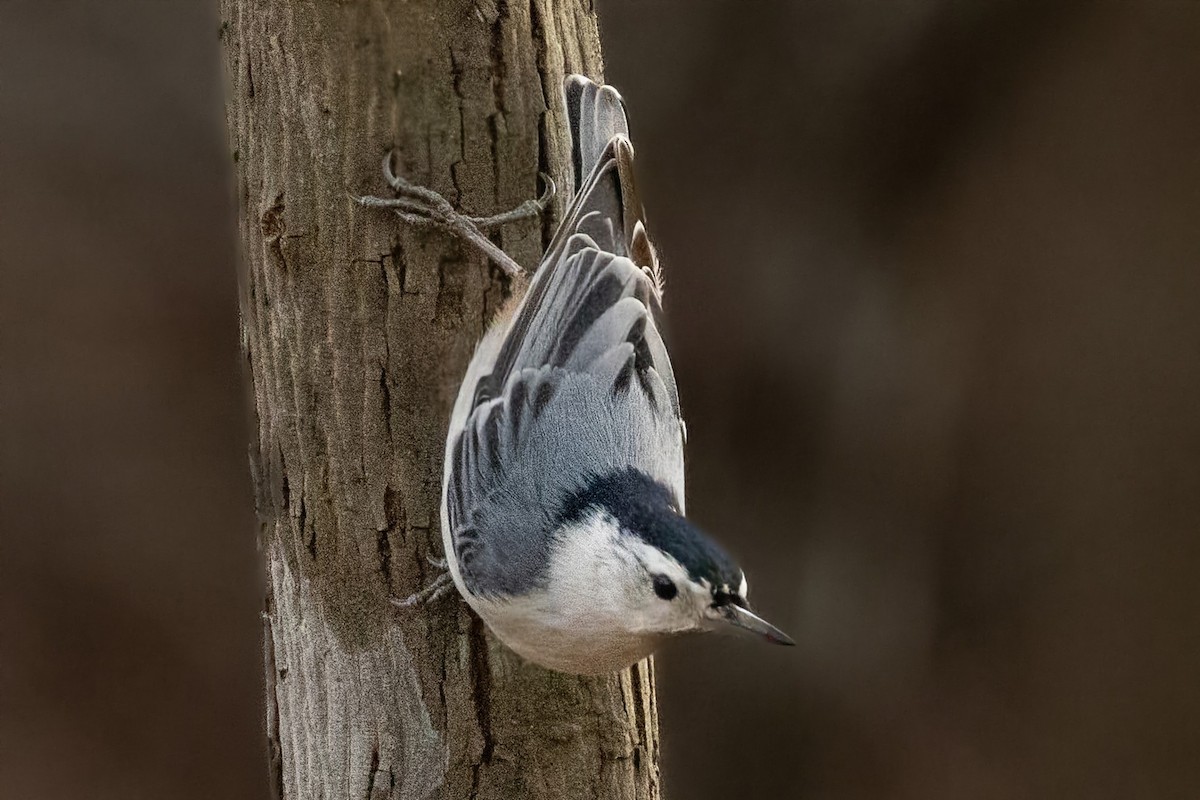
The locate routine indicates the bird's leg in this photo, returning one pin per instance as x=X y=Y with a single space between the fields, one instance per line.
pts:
x=422 y=206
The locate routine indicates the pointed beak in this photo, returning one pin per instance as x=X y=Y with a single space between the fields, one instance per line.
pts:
x=748 y=621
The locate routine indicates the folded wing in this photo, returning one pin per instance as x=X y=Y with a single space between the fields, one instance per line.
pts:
x=582 y=383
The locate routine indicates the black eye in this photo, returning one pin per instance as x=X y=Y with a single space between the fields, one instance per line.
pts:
x=664 y=587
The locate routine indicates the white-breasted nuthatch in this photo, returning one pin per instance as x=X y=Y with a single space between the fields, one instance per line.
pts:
x=562 y=495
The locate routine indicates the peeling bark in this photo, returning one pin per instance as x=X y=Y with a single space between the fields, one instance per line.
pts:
x=357 y=330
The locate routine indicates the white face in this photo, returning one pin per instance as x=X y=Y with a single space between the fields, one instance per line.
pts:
x=614 y=583
x=607 y=602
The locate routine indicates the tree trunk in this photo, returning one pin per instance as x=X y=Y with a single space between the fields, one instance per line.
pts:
x=357 y=331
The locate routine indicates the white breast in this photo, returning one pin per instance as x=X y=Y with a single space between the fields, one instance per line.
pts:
x=533 y=626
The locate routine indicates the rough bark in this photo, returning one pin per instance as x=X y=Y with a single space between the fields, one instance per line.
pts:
x=357 y=330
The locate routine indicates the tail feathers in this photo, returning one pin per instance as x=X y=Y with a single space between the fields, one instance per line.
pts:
x=596 y=114
x=600 y=262
x=602 y=157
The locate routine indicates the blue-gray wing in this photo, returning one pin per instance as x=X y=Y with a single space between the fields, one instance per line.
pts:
x=582 y=384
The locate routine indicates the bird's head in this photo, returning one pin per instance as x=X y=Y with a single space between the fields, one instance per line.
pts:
x=626 y=561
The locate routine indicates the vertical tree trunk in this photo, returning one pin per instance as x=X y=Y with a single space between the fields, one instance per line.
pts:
x=357 y=331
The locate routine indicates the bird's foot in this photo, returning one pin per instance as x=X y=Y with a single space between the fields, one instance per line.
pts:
x=418 y=205
x=440 y=587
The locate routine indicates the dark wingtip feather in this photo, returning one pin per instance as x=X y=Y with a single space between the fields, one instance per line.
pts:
x=573 y=88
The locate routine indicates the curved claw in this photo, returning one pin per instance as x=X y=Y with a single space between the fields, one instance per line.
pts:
x=402 y=186
x=389 y=174
x=548 y=194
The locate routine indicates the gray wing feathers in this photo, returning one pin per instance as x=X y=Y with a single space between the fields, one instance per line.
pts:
x=514 y=470
x=565 y=280
x=582 y=382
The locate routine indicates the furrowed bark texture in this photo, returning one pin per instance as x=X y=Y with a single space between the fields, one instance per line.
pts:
x=357 y=330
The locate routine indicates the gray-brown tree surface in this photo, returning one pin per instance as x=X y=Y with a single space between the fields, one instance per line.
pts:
x=357 y=330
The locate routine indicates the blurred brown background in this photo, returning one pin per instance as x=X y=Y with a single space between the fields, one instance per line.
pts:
x=934 y=293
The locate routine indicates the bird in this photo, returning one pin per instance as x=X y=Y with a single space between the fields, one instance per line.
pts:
x=562 y=508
